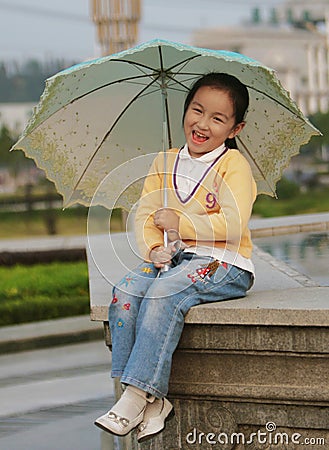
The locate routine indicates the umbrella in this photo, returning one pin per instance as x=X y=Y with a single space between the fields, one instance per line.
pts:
x=96 y=117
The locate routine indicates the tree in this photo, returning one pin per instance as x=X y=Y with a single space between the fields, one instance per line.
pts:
x=321 y=121
x=25 y=82
x=4 y=83
x=6 y=142
x=15 y=160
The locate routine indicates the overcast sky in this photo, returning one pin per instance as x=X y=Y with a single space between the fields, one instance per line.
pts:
x=48 y=29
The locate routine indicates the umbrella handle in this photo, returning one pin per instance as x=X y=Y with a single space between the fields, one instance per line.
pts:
x=166 y=267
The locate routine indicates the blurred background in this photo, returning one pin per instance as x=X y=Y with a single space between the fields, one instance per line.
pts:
x=43 y=269
x=40 y=37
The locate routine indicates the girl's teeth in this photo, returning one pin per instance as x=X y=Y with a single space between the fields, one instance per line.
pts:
x=199 y=137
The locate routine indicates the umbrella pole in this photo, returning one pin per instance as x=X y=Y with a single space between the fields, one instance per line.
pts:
x=166 y=267
x=165 y=194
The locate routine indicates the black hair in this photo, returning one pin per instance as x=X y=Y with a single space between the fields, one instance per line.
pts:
x=230 y=84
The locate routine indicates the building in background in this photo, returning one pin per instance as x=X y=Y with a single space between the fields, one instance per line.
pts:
x=116 y=23
x=293 y=39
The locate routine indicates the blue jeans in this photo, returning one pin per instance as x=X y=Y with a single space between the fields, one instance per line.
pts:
x=147 y=312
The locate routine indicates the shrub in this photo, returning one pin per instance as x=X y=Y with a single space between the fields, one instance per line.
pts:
x=43 y=291
x=287 y=189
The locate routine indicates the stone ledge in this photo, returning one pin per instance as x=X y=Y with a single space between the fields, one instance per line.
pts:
x=291 y=307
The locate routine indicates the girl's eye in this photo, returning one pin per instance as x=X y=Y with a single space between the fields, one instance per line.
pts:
x=217 y=119
x=198 y=110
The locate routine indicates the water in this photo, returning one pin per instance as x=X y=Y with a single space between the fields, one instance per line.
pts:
x=308 y=253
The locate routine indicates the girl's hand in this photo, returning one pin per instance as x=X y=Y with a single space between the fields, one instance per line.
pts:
x=160 y=256
x=166 y=219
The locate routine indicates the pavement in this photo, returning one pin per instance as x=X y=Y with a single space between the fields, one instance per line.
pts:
x=48 y=333
x=51 y=397
x=54 y=376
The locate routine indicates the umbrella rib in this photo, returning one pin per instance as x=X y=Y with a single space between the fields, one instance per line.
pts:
x=248 y=86
x=129 y=79
x=135 y=64
x=145 y=66
x=109 y=132
x=274 y=100
x=155 y=90
x=178 y=82
x=256 y=164
x=185 y=61
x=121 y=80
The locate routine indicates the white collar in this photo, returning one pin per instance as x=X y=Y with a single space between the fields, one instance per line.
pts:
x=206 y=158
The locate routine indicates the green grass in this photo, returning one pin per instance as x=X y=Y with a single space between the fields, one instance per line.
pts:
x=303 y=203
x=43 y=291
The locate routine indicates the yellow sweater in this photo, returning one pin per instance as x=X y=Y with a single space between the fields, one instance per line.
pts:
x=216 y=215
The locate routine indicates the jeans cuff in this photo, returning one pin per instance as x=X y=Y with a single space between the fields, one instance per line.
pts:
x=145 y=387
x=116 y=373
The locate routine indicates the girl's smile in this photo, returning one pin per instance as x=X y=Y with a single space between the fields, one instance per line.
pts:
x=199 y=137
x=209 y=121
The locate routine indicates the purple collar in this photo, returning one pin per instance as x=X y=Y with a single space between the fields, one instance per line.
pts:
x=199 y=182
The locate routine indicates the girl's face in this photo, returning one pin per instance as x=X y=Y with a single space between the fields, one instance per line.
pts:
x=209 y=121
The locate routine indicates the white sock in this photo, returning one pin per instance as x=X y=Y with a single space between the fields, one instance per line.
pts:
x=132 y=402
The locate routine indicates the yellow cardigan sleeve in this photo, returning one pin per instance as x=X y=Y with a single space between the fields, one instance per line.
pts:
x=148 y=236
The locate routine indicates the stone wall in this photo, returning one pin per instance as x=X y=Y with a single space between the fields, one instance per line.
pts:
x=234 y=377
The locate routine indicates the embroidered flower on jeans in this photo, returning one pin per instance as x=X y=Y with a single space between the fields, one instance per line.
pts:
x=120 y=323
x=126 y=306
x=192 y=276
x=128 y=280
x=147 y=270
x=115 y=300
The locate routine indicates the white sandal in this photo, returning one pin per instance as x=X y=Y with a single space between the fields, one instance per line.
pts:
x=117 y=420
x=120 y=426
x=155 y=417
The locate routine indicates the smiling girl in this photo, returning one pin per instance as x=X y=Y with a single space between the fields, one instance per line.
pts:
x=210 y=194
